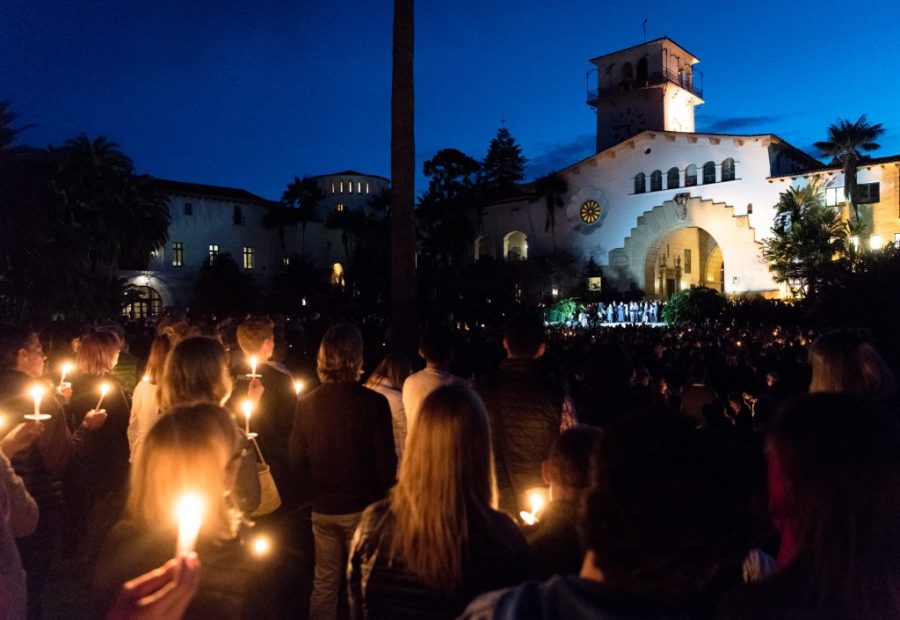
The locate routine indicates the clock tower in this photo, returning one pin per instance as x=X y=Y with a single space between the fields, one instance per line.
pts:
x=648 y=86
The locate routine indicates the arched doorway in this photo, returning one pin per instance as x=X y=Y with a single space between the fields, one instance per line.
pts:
x=726 y=255
x=515 y=246
x=483 y=248
x=680 y=259
x=141 y=302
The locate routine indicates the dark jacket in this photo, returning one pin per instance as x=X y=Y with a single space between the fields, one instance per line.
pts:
x=104 y=468
x=233 y=583
x=571 y=598
x=496 y=557
x=525 y=410
x=555 y=548
x=344 y=438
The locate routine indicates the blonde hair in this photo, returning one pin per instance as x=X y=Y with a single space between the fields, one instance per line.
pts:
x=253 y=332
x=447 y=469
x=843 y=362
x=189 y=450
x=196 y=371
x=97 y=354
x=340 y=355
x=392 y=371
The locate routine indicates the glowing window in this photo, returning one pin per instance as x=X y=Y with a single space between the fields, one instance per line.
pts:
x=332 y=188
x=342 y=187
x=690 y=176
x=359 y=187
x=728 y=170
x=213 y=251
x=248 y=257
x=340 y=207
x=177 y=254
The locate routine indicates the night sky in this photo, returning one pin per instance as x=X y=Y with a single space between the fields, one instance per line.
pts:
x=249 y=94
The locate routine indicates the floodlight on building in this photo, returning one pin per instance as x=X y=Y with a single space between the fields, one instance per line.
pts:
x=875 y=242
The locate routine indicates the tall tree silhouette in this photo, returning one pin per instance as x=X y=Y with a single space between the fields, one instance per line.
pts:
x=846 y=143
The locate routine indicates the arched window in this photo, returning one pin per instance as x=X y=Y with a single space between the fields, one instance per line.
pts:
x=640 y=183
x=728 y=170
x=655 y=181
x=141 y=302
x=709 y=172
x=483 y=247
x=642 y=70
x=673 y=178
x=690 y=176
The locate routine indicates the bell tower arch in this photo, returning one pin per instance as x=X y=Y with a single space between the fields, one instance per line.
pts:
x=648 y=86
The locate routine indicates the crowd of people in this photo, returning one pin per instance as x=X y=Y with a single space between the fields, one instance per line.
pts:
x=529 y=472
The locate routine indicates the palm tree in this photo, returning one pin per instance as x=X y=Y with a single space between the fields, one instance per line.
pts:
x=550 y=188
x=304 y=195
x=807 y=238
x=403 y=157
x=846 y=142
x=278 y=217
x=8 y=133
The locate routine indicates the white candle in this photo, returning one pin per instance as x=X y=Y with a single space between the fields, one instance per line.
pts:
x=104 y=390
x=247 y=408
x=65 y=369
x=189 y=509
x=37 y=393
x=253 y=361
x=298 y=387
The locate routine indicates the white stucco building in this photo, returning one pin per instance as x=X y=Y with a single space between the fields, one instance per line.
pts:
x=662 y=207
x=208 y=220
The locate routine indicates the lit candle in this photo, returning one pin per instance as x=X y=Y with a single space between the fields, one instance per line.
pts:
x=261 y=545
x=247 y=408
x=537 y=500
x=298 y=387
x=37 y=393
x=104 y=390
x=189 y=509
x=145 y=378
x=253 y=362
x=65 y=369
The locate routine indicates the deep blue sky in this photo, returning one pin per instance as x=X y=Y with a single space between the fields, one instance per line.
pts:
x=248 y=94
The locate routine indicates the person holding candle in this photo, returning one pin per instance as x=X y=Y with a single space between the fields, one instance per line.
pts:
x=96 y=490
x=196 y=372
x=438 y=540
x=273 y=411
x=145 y=402
x=42 y=464
x=193 y=450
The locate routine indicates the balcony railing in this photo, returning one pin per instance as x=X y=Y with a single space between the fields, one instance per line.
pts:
x=684 y=80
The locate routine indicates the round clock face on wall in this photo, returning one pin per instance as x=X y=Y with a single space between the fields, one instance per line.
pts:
x=590 y=211
x=628 y=122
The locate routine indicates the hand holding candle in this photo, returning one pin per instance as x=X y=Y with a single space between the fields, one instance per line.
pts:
x=189 y=509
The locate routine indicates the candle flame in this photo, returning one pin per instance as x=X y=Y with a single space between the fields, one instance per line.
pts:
x=247 y=408
x=527 y=518
x=537 y=500
x=298 y=387
x=189 y=509
x=261 y=545
x=37 y=392
x=104 y=389
x=145 y=378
